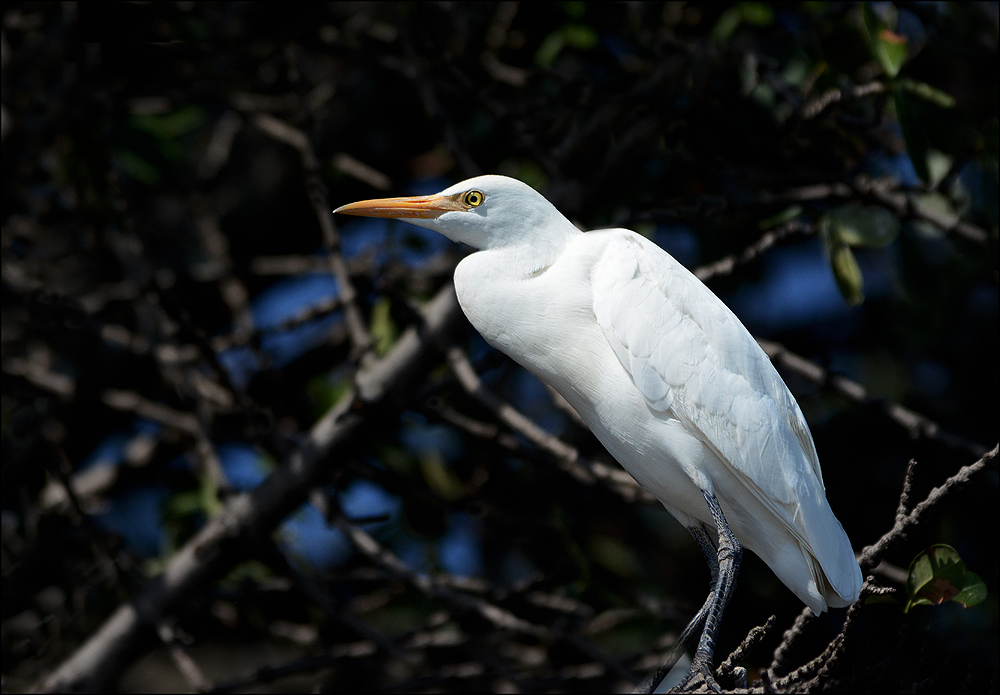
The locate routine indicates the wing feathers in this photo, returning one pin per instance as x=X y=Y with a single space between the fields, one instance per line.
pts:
x=690 y=356
x=675 y=337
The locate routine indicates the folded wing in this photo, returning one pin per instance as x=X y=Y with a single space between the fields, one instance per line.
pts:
x=691 y=357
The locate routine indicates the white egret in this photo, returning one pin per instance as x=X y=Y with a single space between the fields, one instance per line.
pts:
x=665 y=375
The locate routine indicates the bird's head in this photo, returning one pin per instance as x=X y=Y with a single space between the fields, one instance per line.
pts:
x=483 y=212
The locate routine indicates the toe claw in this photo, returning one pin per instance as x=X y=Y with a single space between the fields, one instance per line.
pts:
x=700 y=675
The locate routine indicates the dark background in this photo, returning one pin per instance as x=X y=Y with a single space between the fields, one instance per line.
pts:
x=175 y=320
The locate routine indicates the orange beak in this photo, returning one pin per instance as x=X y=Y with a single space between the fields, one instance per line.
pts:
x=425 y=206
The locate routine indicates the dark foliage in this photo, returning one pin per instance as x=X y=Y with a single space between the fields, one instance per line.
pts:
x=206 y=378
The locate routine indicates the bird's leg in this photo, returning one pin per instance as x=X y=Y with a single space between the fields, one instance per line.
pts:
x=712 y=558
x=728 y=564
x=689 y=636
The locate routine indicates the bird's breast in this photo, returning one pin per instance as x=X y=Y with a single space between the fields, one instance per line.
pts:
x=545 y=321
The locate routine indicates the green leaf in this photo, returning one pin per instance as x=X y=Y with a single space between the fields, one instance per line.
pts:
x=846 y=271
x=927 y=92
x=439 y=476
x=934 y=201
x=573 y=35
x=183 y=503
x=973 y=593
x=938 y=575
x=170 y=125
x=208 y=492
x=202 y=500
x=137 y=167
x=849 y=226
x=757 y=14
x=580 y=36
x=796 y=71
x=253 y=572
x=867 y=226
x=325 y=391
x=889 y=48
x=549 y=49
x=938 y=166
x=892 y=50
x=786 y=215
x=383 y=328
x=728 y=22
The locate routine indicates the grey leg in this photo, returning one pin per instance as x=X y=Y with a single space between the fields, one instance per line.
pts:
x=728 y=559
x=711 y=557
x=724 y=564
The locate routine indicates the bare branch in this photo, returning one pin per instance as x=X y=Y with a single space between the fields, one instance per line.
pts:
x=222 y=542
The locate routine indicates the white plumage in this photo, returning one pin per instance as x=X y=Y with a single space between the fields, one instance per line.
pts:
x=659 y=368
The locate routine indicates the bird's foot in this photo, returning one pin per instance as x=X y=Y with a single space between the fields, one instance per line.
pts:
x=700 y=679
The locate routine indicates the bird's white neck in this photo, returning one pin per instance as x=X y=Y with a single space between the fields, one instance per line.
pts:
x=533 y=247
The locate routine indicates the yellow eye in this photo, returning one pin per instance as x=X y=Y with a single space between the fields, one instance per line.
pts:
x=474 y=198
